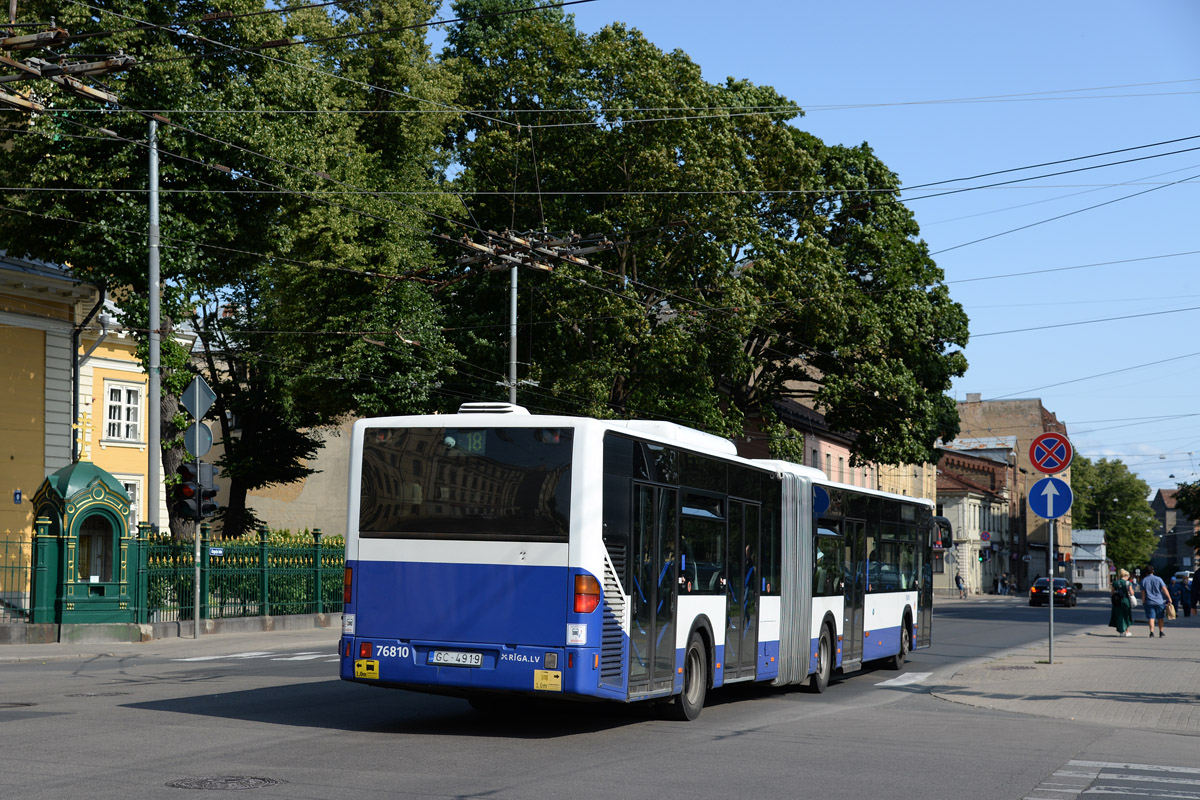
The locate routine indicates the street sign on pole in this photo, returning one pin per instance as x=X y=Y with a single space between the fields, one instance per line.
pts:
x=197 y=439
x=1050 y=498
x=1051 y=453
x=198 y=397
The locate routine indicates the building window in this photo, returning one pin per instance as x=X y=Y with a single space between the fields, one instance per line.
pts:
x=841 y=470
x=816 y=459
x=939 y=562
x=829 y=466
x=134 y=490
x=123 y=412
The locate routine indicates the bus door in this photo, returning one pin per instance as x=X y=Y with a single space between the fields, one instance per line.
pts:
x=855 y=570
x=653 y=570
x=741 y=591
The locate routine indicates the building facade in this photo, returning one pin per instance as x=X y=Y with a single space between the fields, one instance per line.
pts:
x=73 y=388
x=1089 y=559
x=1022 y=421
x=1175 y=529
x=975 y=492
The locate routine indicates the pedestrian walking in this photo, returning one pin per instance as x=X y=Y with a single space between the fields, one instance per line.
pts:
x=1121 y=617
x=1183 y=597
x=1004 y=583
x=962 y=587
x=1155 y=597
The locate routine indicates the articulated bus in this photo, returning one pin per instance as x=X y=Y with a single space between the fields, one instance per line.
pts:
x=494 y=553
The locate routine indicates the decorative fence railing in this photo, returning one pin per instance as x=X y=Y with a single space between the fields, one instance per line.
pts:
x=261 y=574
x=16 y=568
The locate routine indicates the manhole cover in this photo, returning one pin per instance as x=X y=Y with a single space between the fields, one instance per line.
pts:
x=223 y=782
x=96 y=694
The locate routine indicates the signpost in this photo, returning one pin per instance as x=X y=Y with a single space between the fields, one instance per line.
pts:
x=197 y=398
x=1050 y=498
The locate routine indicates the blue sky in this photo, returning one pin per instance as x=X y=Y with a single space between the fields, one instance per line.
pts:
x=946 y=90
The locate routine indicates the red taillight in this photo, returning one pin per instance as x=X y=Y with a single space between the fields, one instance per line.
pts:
x=347 y=580
x=364 y=649
x=587 y=594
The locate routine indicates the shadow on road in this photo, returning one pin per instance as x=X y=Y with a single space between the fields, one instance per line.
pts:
x=337 y=705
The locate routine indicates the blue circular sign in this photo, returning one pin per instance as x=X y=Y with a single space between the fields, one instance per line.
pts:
x=1050 y=498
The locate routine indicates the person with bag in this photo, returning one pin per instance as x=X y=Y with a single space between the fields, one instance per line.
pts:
x=1122 y=604
x=1157 y=600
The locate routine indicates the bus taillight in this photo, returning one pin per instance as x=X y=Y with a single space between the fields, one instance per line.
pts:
x=347 y=580
x=587 y=594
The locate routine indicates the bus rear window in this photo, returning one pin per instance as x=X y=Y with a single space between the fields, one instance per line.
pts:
x=466 y=483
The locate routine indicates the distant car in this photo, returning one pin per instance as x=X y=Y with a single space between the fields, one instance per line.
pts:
x=1064 y=593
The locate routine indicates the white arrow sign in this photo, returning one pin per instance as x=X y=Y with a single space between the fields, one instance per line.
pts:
x=1049 y=492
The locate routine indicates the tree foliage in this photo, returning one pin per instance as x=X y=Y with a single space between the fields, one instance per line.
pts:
x=1187 y=500
x=282 y=252
x=752 y=262
x=1110 y=497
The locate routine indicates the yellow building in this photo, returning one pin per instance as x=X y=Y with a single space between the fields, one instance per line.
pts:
x=58 y=365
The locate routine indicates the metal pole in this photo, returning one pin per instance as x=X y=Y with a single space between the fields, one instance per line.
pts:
x=512 y=339
x=196 y=597
x=154 y=392
x=1050 y=570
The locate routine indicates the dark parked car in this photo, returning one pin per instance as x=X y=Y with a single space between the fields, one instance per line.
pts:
x=1064 y=593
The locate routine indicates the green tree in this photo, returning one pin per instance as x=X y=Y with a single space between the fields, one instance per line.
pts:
x=1187 y=500
x=751 y=262
x=1110 y=497
x=284 y=255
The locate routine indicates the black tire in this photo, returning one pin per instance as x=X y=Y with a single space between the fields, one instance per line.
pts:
x=690 y=702
x=897 y=661
x=819 y=680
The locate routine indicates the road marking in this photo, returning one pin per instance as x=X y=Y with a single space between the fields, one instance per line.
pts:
x=302 y=657
x=906 y=679
x=1176 y=783
x=1124 y=765
x=250 y=654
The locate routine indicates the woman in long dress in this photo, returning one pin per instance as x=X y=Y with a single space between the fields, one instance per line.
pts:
x=1122 y=604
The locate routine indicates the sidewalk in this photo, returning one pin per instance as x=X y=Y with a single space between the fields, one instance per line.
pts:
x=180 y=647
x=1097 y=676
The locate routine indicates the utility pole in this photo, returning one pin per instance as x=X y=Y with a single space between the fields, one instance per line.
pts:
x=535 y=250
x=154 y=391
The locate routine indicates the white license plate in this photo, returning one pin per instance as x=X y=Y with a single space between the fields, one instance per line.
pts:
x=455 y=658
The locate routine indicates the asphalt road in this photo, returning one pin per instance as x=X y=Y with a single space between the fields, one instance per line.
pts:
x=266 y=715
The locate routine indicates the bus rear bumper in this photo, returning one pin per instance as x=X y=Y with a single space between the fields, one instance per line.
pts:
x=470 y=665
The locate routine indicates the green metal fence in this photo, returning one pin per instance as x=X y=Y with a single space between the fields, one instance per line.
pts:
x=261 y=574
x=16 y=559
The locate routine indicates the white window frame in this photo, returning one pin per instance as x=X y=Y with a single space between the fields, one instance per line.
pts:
x=132 y=484
x=123 y=423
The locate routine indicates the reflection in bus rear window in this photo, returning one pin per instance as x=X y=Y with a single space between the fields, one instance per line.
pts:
x=466 y=483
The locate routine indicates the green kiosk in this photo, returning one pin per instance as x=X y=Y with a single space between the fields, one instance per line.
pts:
x=86 y=560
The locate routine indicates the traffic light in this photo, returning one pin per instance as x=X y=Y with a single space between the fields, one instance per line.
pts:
x=186 y=493
x=193 y=497
x=208 y=490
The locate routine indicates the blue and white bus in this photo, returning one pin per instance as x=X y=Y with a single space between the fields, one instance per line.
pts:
x=493 y=553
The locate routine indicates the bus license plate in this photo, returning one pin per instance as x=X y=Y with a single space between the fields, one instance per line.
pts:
x=455 y=658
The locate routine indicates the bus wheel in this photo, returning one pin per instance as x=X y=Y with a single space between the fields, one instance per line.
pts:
x=897 y=661
x=819 y=680
x=690 y=701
